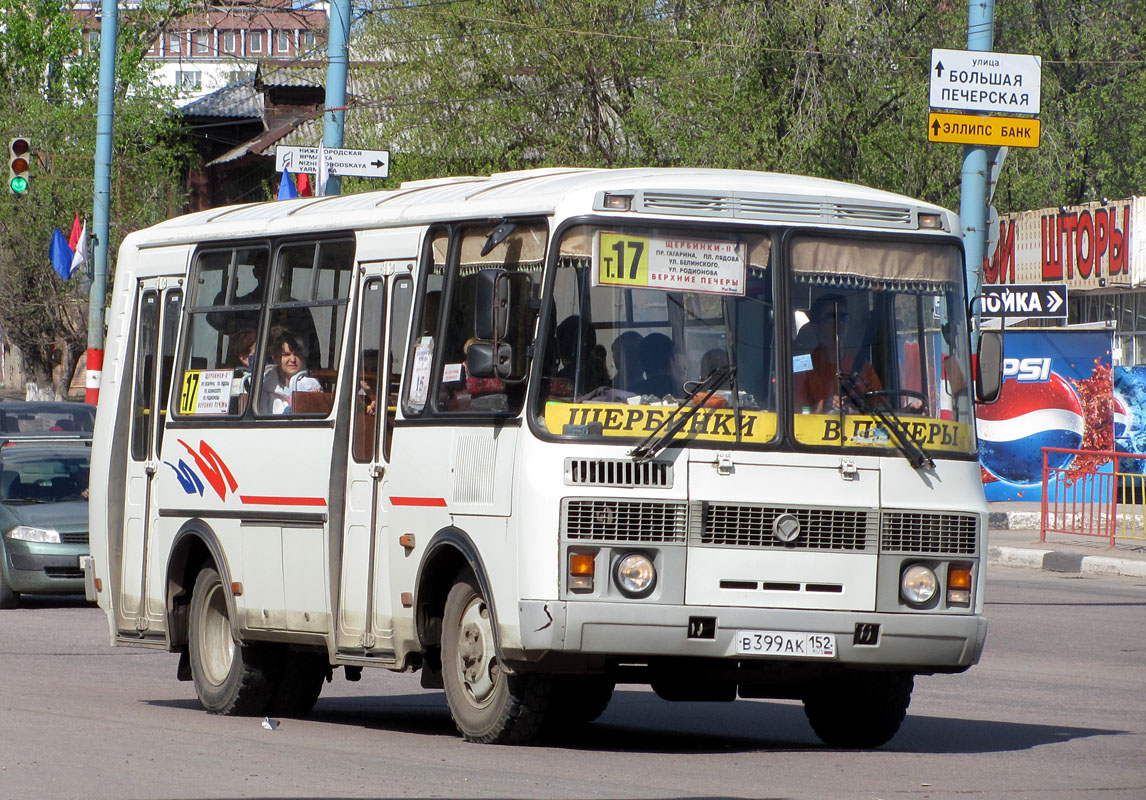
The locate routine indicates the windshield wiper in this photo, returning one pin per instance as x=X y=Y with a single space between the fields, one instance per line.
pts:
x=912 y=450
x=654 y=443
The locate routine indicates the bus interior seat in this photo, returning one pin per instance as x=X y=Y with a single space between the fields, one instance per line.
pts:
x=312 y=402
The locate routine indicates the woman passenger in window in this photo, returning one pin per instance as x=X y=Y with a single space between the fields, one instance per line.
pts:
x=286 y=375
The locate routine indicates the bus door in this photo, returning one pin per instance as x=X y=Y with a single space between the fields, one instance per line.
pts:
x=156 y=333
x=365 y=604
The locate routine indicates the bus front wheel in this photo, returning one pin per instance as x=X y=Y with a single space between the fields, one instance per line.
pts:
x=859 y=709
x=230 y=678
x=489 y=705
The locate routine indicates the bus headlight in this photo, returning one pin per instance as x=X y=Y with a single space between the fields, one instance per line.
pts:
x=635 y=575
x=918 y=585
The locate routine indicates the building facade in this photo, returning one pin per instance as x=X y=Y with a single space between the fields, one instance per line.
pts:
x=200 y=53
x=1096 y=250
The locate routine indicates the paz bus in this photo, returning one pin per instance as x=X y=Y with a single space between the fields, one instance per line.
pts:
x=537 y=434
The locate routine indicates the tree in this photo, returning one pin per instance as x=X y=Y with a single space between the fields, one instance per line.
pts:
x=833 y=88
x=51 y=99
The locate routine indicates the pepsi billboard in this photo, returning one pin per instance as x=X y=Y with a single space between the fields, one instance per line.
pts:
x=1057 y=392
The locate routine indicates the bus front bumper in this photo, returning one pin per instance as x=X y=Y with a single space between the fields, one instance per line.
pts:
x=923 y=642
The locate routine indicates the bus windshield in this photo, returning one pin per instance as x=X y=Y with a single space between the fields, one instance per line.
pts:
x=879 y=344
x=640 y=318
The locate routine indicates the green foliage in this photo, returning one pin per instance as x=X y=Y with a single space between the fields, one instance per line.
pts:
x=51 y=98
x=833 y=88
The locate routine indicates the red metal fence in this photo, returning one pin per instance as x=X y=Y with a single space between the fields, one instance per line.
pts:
x=1088 y=497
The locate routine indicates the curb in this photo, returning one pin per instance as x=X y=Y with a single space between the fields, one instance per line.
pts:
x=1074 y=563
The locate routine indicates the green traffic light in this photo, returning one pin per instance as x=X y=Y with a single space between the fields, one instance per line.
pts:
x=18 y=184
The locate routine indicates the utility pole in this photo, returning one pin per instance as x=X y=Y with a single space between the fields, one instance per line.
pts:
x=105 y=118
x=338 y=60
x=973 y=194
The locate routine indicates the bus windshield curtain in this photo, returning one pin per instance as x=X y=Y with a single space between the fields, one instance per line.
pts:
x=877 y=265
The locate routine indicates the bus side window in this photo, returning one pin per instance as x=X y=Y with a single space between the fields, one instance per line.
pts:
x=424 y=330
x=521 y=251
x=307 y=312
x=224 y=301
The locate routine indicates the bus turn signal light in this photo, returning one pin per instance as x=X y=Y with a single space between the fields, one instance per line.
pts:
x=959 y=586
x=581 y=566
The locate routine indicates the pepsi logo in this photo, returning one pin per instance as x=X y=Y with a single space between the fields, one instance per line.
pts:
x=1028 y=417
x=1027 y=370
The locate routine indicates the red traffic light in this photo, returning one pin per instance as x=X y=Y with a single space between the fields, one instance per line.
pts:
x=20 y=146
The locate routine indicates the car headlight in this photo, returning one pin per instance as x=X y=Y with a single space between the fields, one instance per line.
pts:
x=635 y=575
x=918 y=585
x=26 y=533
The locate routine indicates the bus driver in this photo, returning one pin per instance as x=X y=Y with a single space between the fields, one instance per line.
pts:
x=817 y=388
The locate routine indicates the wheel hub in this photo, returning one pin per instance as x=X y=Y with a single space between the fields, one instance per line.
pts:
x=476 y=656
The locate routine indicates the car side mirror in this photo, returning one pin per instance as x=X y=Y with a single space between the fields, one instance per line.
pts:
x=989 y=367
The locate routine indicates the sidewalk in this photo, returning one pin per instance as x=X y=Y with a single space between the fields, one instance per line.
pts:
x=1013 y=541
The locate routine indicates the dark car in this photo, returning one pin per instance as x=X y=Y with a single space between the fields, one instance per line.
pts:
x=19 y=419
x=43 y=517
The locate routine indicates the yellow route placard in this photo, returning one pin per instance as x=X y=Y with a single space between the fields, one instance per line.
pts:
x=973 y=129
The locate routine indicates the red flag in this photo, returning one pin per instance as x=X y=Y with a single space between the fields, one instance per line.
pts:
x=304 y=185
x=74 y=236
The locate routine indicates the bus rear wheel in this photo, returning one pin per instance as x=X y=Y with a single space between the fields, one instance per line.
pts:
x=230 y=678
x=859 y=709
x=489 y=705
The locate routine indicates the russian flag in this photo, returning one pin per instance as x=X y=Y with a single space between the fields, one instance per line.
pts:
x=69 y=254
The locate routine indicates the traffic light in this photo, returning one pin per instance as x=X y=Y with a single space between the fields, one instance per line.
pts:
x=19 y=166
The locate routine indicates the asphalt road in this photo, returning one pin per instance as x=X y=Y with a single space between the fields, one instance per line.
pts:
x=1056 y=709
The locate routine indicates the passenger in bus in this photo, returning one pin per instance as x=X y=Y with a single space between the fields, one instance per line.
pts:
x=286 y=375
x=583 y=361
x=627 y=359
x=657 y=354
x=297 y=319
x=818 y=388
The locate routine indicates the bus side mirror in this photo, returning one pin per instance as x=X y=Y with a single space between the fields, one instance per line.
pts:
x=989 y=367
x=485 y=360
x=491 y=305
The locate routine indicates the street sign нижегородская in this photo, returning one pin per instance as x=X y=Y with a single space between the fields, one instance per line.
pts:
x=1025 y=300
x=339 y=161
x=988 y=82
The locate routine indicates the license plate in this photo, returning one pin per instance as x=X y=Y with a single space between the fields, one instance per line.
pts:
x=795 y=644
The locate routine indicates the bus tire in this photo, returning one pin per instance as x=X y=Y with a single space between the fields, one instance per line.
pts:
x=577 y=700
x=859 y=710
x=488 y=704
x=299 y=684
x=230 y=678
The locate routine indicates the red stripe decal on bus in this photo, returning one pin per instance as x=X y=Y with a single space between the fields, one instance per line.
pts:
x=282 y=501
x=435 y=502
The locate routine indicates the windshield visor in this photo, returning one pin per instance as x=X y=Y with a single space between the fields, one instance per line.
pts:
x=641 y=317
x=879 y=329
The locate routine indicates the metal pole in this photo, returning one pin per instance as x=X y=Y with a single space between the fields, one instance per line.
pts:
x=338 y=58
x=105 y=118
x=973 y=195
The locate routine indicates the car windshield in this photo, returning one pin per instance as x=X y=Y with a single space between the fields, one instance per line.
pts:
x=46 y=419
x=54 y=479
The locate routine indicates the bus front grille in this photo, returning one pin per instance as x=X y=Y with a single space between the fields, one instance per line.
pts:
x=617 y=472
x=751 y=525
x=921 y=532
x=603 y=520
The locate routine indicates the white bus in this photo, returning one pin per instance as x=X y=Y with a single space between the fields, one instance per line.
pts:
x=536 y=434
